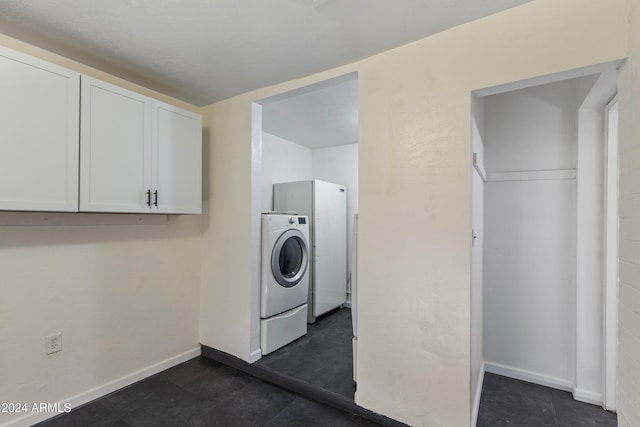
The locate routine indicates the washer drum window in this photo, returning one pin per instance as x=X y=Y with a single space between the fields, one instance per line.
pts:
x=289 y=259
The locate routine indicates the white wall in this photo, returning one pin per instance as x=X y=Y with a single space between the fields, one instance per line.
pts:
x=124 y=295
x=282 y=161
x=286 y=161
x=533 y=128
x=414 y=197
x=629 y=238
x=530 y=259
x=529 y=280
x=340 y=166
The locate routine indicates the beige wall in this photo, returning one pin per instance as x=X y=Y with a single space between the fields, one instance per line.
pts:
x=124 y=296
x=629 y=237
x=414 y=158
x=227 y=275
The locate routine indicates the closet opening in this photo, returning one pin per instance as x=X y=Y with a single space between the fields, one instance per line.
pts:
x=543 y=233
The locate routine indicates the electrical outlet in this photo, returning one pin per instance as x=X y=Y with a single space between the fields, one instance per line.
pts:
x=53 y=343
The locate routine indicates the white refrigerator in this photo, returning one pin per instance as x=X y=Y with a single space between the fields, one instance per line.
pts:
x=326 y=206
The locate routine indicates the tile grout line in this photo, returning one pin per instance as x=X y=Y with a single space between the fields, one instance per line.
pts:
x=553 y=408
x=283 y=409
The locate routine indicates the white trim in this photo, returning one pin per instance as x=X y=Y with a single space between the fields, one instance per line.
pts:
x=255 y=356
x=309 y=88
x=476 y=401
x=478 y=167
x=549 y=78
x=610 y=273
x=354 y=349
x=529 y=376
x=587 y=396
x=104 y=389
x=32 y=219
x=540 y=175
x=256 y=234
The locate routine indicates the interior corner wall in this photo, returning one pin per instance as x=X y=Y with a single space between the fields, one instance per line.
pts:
x=124 y=297
x=340 y=166
x=282 y=161
x=414 y=195
x=629 y=231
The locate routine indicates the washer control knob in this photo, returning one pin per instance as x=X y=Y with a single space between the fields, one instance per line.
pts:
x=291 y=220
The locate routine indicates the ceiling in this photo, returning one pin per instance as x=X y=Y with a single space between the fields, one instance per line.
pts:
x=202 y=51
x=318 y=116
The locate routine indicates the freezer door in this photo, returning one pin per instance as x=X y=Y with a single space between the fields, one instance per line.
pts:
x=330 y=255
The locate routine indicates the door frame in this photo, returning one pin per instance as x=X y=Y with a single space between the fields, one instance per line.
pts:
x=610 y=267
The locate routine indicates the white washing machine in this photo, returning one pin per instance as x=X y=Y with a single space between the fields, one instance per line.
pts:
x=284 y=279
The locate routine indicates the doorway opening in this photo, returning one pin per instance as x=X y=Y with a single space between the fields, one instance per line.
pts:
x=310 y=136
x=540 y=295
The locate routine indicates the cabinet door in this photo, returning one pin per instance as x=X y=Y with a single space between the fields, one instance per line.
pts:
x=177 y=160
x=39 y=105
x=115 y=148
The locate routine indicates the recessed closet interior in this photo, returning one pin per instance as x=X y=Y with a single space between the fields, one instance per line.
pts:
x=538 y=218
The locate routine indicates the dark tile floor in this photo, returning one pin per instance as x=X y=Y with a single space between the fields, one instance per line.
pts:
x=509 y=402
x=323 y=357
x=202 y=392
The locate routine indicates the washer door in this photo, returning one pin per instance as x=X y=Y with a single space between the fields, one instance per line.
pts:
x=290 y=258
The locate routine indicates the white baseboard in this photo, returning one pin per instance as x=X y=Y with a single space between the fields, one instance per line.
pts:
x=532 y=377
x=476 y=400
x=587 y=396
x=104 y=389
x=255 y=356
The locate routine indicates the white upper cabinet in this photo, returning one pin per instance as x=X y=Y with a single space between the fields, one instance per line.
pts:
x=70 y=143
x=137 y=154
x=39 y=122
x=115 y=149
x=177 y=159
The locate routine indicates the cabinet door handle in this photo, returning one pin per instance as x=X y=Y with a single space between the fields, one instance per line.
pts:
x=155 y=193
x=149 y=197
